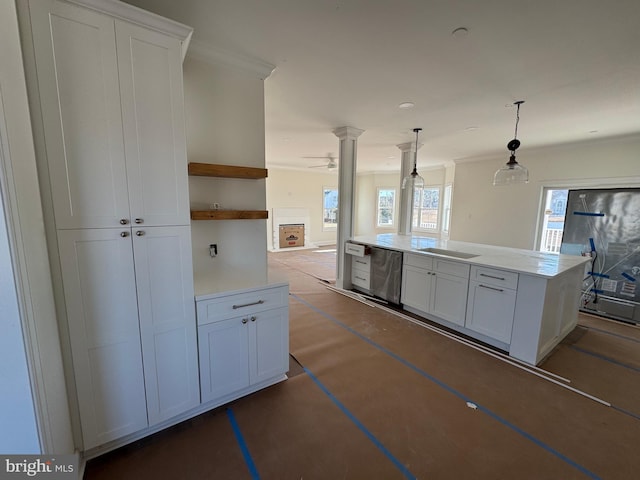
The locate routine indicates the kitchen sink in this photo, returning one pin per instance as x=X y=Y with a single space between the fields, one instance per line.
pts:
x=447 y=253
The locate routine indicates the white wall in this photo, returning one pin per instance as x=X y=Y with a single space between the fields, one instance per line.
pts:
x=301 y=189
x=225 y=125
x=367 y=185
x=33 y=288
x=19 y=433
x=508 y=215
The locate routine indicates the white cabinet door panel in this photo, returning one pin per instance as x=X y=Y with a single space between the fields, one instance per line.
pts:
x=416 y=285
x=224 y=357
x=490 y=311
x=449 y=297
x=150 y=66
x=102 y=311
x=75 y=52
x=268 y=344
x=164 y=280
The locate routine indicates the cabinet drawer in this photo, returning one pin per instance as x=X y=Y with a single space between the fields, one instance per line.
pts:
x=238 y=304
x=361 y=263
x=420 y=261
x=354 y=249
x=492 y=276
x=452 y=268
x=361 y=279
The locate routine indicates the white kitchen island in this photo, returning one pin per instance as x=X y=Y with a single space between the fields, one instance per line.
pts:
x=521 y=301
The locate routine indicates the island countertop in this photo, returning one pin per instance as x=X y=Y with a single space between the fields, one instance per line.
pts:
x=506 y=258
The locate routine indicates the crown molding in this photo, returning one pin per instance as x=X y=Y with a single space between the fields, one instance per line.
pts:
x=205 y=52
x=141 y=17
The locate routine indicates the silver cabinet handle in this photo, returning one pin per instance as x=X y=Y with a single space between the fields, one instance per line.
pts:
x=253 y=319
x=259 y=302
x=124 y=234
x=492 y=288
x=124 y=221
x=491 y=276
x=140 y=233
x=138 y=220
x=244 y=320
x=360 y=278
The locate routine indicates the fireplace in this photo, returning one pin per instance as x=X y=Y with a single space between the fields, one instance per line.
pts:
x=296 y=222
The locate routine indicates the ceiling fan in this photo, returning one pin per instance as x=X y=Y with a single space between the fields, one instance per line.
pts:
x=331 y=164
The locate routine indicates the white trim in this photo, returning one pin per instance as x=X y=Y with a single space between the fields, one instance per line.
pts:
x=217 y=56
x=603 y=182
x=394 y=209
x=130 y=13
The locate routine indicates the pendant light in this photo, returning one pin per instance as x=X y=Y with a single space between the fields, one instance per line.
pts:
x=512 y=172
x=413 y=180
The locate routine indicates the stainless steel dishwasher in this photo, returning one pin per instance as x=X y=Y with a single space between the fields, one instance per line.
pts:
x=386 y=274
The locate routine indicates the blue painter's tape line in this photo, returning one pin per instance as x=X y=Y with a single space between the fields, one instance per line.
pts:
x=628 y=277
x=597 y=290
x=450 y=389
x=589 y=214
x=606 y=332
x=605 y=358
x=626 y=412
x=243 y=446
x=593 y=245
x=601 y=275
x=405 y=471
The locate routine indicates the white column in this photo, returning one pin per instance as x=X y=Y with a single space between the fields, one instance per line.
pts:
x=346 y=199
x=406 y=196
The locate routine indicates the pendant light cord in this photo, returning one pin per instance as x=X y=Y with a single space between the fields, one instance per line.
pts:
x=415 y=158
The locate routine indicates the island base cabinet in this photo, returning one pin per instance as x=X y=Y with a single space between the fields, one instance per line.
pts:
x=447 y=292
x=416 y=287
x=490 y=311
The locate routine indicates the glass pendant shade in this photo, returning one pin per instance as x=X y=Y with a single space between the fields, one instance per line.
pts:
x=511 y=173
x=414 y=180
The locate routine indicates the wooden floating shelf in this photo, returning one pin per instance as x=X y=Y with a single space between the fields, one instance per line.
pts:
x=226 y=171
x=229 y=214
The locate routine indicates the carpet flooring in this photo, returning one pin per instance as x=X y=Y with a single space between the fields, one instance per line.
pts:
x=371 y=395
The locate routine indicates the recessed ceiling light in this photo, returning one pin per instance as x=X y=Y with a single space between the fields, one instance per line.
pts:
x=460 y=32
x=407 y=105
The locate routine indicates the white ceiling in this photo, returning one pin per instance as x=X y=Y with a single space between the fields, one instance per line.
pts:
x=576 y=63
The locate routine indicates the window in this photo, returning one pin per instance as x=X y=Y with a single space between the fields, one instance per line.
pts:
x=329 y=208
x=426 y=203
x=555 y=204
x=386 y=206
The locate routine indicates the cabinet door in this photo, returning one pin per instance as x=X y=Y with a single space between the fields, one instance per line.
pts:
x=224 y=357
x=268 y=344
x=150 y=66
x=102 y=312
x=164 y=281
x=490 y=311
x=75 y=52
x=449 y=297
x=416 y=285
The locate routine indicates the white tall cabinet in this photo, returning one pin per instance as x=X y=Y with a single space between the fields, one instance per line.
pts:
x=109 y=91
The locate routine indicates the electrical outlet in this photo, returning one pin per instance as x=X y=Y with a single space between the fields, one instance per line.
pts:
x=213 y=250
